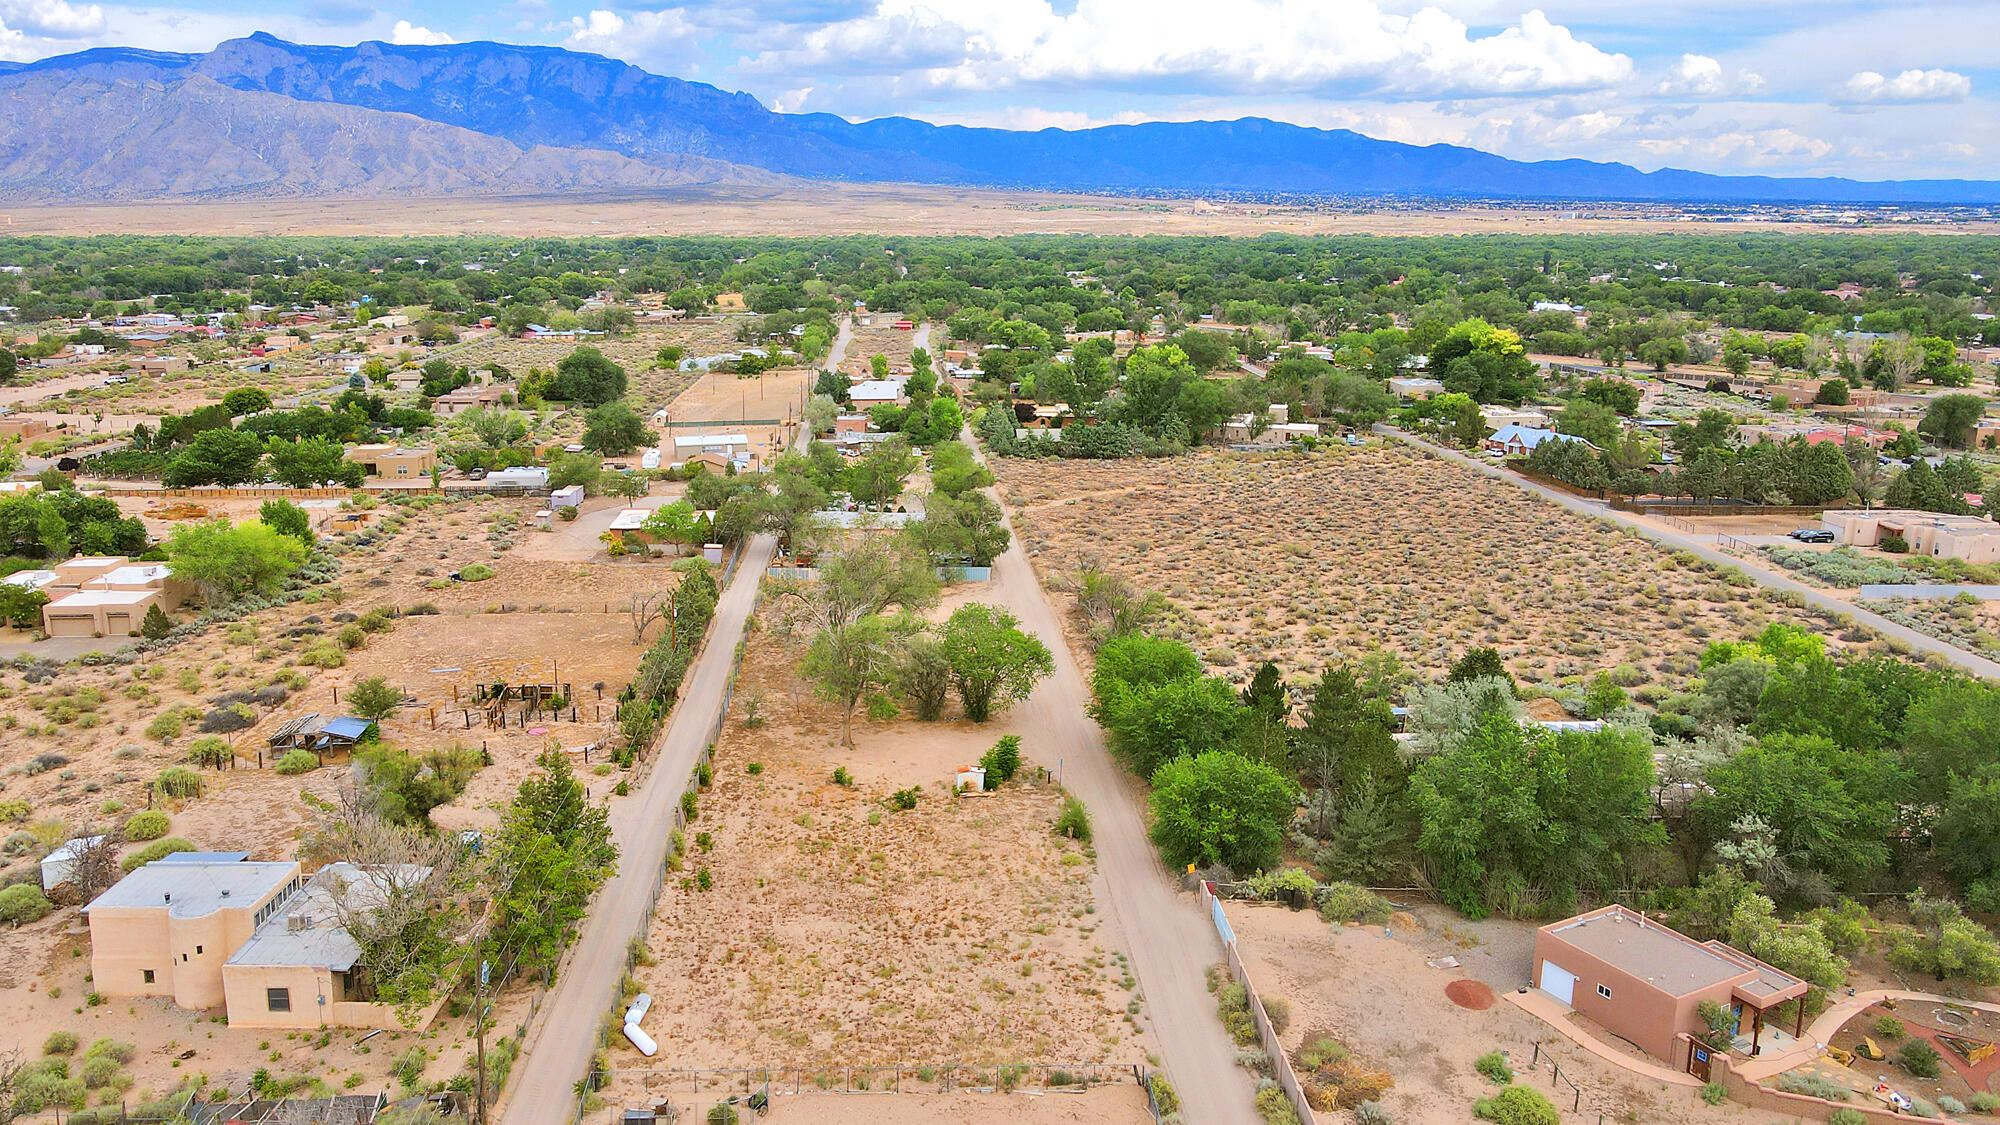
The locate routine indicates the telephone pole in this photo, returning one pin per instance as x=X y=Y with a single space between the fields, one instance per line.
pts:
x=479 y=1033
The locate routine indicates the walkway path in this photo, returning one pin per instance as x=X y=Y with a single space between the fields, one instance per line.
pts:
x=1821 y=1031
x=1977 y=665
x=1553 y=1012
x=1171 y=940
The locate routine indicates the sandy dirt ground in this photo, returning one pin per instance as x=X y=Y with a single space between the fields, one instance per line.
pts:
x=878 y=338
x=842 y=932
x=728 y=402
x=827 y=208
x=1109 y=1104
x=1383 y=999
x=98 y=718
x=1324 y=557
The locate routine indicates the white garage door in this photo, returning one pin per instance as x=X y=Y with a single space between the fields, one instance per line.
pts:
x=1558 y=981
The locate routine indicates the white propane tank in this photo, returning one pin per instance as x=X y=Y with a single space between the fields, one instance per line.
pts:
x=640 y=1006
x=641 y=1040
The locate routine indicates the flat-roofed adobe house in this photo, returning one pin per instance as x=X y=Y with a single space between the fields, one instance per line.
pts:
x=1642 y=981
x=166 y=929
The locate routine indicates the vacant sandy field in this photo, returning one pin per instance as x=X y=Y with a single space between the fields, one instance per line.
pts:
x=1383 y=999
x=878 y=338
x=1311 y=558
x=839 y=931
x=800 y=208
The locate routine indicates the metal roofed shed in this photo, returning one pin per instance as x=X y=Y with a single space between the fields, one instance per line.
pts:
x=59 y=866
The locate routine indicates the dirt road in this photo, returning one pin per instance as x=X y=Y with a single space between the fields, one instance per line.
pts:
x=1172 y=941
x=1703 y=545
x=559 y=1050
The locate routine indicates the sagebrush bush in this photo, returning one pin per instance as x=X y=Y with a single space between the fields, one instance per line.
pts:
x=297 y=762
x=1517 y=1105
x=147 y=824
x=179 y=781
x=60 y=1043
x=23 y=903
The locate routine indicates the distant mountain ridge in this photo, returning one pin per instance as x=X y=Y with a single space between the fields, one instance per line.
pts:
x=563 y=105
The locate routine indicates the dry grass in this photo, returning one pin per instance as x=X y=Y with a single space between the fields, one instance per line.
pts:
x=841 y=932
x=1306 y=559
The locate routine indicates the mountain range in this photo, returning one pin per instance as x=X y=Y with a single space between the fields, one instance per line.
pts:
x=261 y=117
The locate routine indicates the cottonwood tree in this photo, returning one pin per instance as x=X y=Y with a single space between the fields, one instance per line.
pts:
x=992 y=660
x=1220 y=809
x=865 y=578
x=847 y=661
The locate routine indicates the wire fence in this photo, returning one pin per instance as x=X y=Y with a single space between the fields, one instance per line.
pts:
x=689 y=1094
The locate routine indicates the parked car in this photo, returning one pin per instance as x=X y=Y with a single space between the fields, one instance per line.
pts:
x=1813 y=535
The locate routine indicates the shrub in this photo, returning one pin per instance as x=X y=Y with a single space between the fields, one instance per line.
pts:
x=1950 y=1105
x=59 y=1043
x=1346 y=902
x=296 y=762
x=477 y=572
x=1847 y=1117
x=1714 y=1093
x=1892 y=543
x=841 y=776
x=1074 y=820
x=1983 y=1102
x=903 y=800
x=724 y=1114
x=1372 y=1113
x=409 y=1067
x=1281 y=883
x=1812 y=1086
x=23 y=903
x=1003 y=761
x=47 y=1084
x=99 y=1072
x=323 y=654
x=158 y=849
x=1493 y=1064
x=352 y=636
x=1919 y=1058
x=178 y=781
x=1164 y=1096
x=226 y=720
x=210 y=751
x=1889 y=1027
x=1517 y=1105
x=1275 y=1108
x=165 y=727
x=116 y=1050
x=147 y=824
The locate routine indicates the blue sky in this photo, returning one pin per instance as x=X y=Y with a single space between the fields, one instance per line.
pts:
x=1877 y=89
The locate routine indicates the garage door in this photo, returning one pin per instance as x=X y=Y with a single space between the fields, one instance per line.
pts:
x=1558 y=981
x=72 y=626
x=117 y=624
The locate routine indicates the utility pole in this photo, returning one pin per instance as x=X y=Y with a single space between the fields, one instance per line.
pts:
x=479 y=1032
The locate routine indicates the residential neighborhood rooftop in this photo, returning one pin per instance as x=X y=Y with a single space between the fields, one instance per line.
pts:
x=190 y=890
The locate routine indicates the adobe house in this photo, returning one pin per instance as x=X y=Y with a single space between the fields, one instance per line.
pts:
x=1642 y=981
x=111 y=597
x=166 y=929
x=1975 y=539
x=298 y=968
x=392 y=462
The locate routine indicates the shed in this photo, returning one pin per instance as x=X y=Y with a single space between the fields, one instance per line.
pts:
x=59 y=866
x=570 y=497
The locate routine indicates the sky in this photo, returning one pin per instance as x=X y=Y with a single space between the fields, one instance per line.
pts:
x=1874 y=89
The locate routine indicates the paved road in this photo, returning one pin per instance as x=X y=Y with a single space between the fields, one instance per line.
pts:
x=1702 y=545
x=1170 y=938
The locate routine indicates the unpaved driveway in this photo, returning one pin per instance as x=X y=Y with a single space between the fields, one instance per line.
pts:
x=1172 y=941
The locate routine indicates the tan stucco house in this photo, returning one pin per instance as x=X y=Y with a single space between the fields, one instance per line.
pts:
x=298 y=969
x=1642 y=981
x=393 y=462
x=166 y=929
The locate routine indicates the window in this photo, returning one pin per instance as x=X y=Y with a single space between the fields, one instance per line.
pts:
x=149 y=975
x=1604 y=992
x=197 y=951
x=278 y=999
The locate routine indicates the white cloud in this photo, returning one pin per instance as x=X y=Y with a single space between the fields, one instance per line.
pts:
x=1702 y=77
x=1909 y=86
x=54 y=19
x=627 y=36
x=1250 y=46
x=407 y=34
